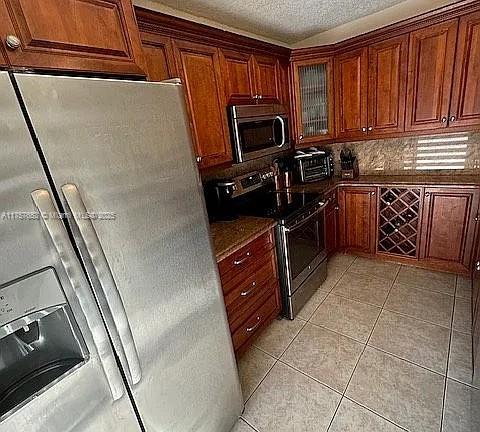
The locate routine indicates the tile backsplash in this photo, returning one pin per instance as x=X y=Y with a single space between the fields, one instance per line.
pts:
x=446 y=154
x=452 y=153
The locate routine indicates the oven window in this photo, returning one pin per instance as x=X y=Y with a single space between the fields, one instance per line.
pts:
x=305 y=243
x=256 y=135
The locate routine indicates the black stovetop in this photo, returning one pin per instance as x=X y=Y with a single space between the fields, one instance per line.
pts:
x=279 y=205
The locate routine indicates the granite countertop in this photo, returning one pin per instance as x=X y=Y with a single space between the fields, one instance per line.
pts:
x=230 y=236
x=429 y=180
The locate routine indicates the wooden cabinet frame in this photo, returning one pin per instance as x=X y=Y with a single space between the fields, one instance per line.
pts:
x=465 y=102
x=48 y=42
x=307 y=141
x=345 y=109
x=431 y=246
x=211 y=150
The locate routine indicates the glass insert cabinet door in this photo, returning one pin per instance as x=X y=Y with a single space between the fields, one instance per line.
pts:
x=314 y=97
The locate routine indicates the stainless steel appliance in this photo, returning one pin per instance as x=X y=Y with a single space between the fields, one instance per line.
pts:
x=111 y=312
x=218 y=194
x=313 y=165
x=258 y=130
x=300 y=234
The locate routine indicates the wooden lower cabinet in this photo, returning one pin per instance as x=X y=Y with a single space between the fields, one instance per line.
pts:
x=74 y=35
x=357 y=218
x=331 y=223
x=251 y=290
x=448 y=227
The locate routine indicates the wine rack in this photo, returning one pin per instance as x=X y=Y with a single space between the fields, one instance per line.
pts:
x=398 y=221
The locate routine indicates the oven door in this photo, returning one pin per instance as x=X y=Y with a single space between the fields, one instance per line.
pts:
x=256 y=137
x=305 y=248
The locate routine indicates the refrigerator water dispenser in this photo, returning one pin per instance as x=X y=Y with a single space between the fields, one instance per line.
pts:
x=40 y=341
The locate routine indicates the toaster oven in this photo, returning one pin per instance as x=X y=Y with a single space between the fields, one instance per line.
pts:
x=313 y=165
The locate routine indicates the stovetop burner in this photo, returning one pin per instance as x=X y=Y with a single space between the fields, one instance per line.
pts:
x=279 y=205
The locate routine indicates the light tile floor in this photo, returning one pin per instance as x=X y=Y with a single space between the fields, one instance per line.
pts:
x=380 y=348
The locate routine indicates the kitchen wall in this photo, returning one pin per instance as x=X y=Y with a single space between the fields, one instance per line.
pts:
x=243 y=168
x=457 y=154
x=448 y=154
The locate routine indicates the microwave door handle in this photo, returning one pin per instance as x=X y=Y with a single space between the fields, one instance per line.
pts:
x=282 y=122
x=103 y=284
x=61 y=243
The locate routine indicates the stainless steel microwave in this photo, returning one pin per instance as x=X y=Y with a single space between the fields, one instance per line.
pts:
x=258 y=130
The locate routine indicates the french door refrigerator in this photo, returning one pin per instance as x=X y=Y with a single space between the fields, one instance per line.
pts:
x=111 y=311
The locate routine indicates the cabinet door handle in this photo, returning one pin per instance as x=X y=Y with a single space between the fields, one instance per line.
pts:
x=427 y=194
x=444 y=119
x=477 y=265
x=13 y=42
x=199 y=159
x=337 y=208
x=300 y=137
x=248 y=292
x=364 y=129
x=251 y=329
x=241 y=261
x=372 y=193
x=477 y=218
x=452 y=119
x=370 y=128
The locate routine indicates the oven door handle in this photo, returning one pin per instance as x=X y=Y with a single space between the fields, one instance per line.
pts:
x=282 y=122
x=315 y=213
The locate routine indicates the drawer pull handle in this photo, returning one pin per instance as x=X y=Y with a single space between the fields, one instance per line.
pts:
x=238 y=262
x=246 y=293
x=251 y=329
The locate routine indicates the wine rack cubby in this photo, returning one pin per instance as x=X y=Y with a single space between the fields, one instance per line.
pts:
x=398 y=221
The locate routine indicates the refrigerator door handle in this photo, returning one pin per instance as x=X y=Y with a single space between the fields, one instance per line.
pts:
x=61 y=242
x=104 y=284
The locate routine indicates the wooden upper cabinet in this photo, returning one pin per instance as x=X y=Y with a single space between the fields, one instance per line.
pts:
x=159 y=59
x=267 y=79
x=239 y=76
x=387 y=63
x=430 y=73
x=465 y=105
x=314 y=96
x=200 y=70
x=357 y=218
x=351 y=82
x=284 y=68
x=78 y=35
x=448 y=227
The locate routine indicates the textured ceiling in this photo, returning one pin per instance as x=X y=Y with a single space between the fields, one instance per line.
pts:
x=288 y=21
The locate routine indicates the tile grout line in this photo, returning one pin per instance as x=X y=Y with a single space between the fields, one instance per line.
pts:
x=277 y=359
x=333 y=286
x=448 y=357
x=376 y=413
x=361 y=354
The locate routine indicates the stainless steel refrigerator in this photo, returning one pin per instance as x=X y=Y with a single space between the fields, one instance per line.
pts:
x=111 y=310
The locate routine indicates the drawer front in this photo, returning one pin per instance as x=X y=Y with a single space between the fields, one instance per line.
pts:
x=254 y=323
x=247 y=275
x=242 y=293
x=244 y=257
x=238 y=316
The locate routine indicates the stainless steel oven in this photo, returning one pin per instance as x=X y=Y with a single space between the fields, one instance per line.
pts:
x=302 y=257
x=258 y=130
